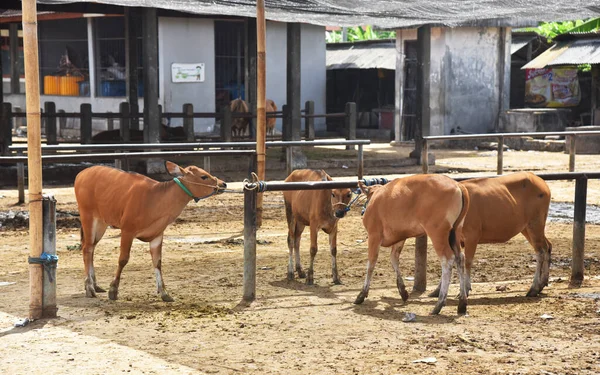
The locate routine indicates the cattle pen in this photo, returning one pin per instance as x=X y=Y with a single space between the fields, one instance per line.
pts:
x=251 y=189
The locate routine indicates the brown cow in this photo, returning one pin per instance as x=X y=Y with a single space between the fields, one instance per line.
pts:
x=319 y=209
x=502 y=207
x=411 y=207
x=271 y=121
x=239 y=125
x=140 y=206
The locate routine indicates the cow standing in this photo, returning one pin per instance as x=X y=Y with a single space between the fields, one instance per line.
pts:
x=319 y=209
x=140 y=206
x=239 y=125
x=271 y=121
x=413 y=206
x=502 y=207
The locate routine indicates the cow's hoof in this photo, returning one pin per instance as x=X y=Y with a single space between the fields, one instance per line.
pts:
x=462 y=307
x=166 y=298
x=301 y=274
x=310 y=281
x=112 y=294
x=98 y=289
x=360 y=298
x=290 y=276
x=337 y=282
x=436 y=310
x=532 y=293
x=90 y=292
x=435 y=293
x=404 y=295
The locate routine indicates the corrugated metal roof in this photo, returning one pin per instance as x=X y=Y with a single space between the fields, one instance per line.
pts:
x=519 y=42
x=361 y=56
x=580 y=51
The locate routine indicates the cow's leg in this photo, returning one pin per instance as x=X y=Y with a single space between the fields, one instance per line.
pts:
x=543 y=248
x=297 y=238
x=92 y=231
x=290 y=240
x=314 y=230
x=333 y=247
x=447 y=256
x=470 y=248
x=395 y=256
x=156 y=252
x=374 y=242
x=126 y=240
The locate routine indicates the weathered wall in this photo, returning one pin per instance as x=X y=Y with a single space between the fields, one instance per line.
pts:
x=470 y=78
x=187 y=40
x=313 y=67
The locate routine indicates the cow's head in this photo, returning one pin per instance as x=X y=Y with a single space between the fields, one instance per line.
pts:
x=340 y=198
x=368 y=191
x=197 y=181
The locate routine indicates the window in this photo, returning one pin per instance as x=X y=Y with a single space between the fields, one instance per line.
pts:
x=110 y=57
x=63 y=54
x=229 y=62
x=5 y=54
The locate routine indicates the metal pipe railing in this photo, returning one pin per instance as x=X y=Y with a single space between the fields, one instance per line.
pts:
x=500 y=138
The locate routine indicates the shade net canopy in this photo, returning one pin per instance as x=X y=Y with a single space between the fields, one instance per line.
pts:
x=381 y=13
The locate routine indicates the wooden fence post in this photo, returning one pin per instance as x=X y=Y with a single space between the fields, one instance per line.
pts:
x=309 y=122
x=250 y=197
x=350 y=121
x=125 y=132
x=6 y=118
x=85 y=127
x=50 y=112
x=135 y=116
x=420 y=283
x=188 y=122
x=226 y=118
x=577 y=265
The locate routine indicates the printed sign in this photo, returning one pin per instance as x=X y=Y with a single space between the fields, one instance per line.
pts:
x=553 y=87
x=187 y=72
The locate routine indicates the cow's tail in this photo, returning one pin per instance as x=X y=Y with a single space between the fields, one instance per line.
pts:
x=456 y=231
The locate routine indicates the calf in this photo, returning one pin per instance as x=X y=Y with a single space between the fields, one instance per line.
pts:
x=140 y=206
x=319 y=209
x=239 y=125
x=407 y=207
x=502 y=207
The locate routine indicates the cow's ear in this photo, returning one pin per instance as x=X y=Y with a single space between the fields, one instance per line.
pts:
x=363 y=188
x=173 y=169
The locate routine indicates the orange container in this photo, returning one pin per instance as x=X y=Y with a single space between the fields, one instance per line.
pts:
x=69 y=85
x=51 y=85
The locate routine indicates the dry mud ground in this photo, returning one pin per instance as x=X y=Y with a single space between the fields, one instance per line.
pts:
x=293 y=328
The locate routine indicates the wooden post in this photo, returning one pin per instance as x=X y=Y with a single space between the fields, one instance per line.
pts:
x=110 y=123
x=15 y=71
x=124 y=121
x=423 y=88
x=250 y=225
x=34 y=154
x=293 y=99
x=85 y=126
x=350 y=121
x=188 y=122
x=251 y=67
x=261 y=92
x=150 y=56
x=50 y=112
x=5 y=128
x=572 y=152
x=49 y=225
x=309 y=122
x=360 y=171
x=500 y=165
x=424 y=155
x=420 y=264
x=399 y=87
x=226 y=118
x=131 y=57
x=207 y=163
x=289 y=159
x=577 y=265
x=286 y=129
x=21 y=180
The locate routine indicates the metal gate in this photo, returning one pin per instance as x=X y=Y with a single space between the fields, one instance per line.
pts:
x=229 y=62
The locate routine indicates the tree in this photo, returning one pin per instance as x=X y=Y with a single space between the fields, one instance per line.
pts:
x=359 y=33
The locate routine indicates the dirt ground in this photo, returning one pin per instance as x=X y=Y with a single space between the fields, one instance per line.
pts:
x=293 y=328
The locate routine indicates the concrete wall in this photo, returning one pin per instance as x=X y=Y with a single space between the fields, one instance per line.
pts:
x=313 y=71
x=468 y=76
x=187 y=40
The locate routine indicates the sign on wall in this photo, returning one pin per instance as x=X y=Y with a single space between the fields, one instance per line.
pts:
x=552 y=87
x=187 y=72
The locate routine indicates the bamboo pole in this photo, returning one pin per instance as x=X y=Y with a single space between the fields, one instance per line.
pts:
x=34 y=151
x=261 y=114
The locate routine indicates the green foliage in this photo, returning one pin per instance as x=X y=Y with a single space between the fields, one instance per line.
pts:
x=550 y=30
x=359 y=33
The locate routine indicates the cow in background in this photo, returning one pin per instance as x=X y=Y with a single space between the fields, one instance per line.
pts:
x=271 y=121
x=319 y=209
x=239 y=125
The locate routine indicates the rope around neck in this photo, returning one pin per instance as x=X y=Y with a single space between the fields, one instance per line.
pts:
x=188 y=192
